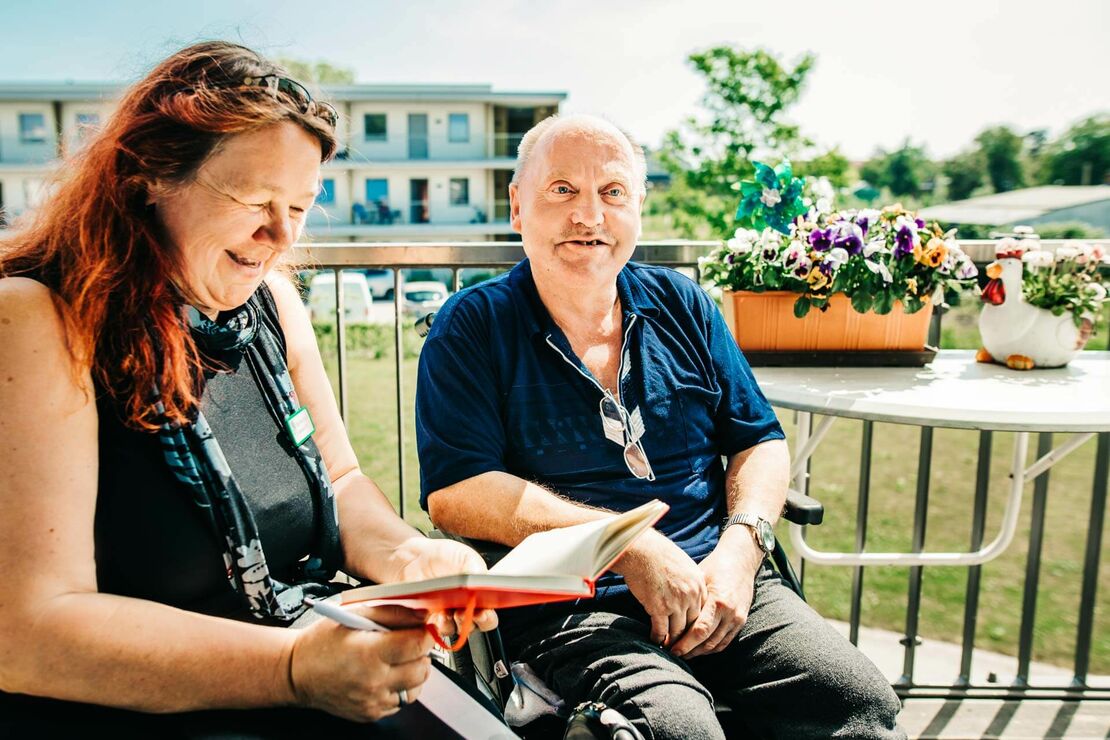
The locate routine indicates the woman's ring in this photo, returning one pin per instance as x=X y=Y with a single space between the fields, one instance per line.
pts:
x=403 y=697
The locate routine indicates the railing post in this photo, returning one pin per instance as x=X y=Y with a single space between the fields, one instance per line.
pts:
x=920 y=515
x=399 y=365
x=340 y=344
x=1090 y=561
x=975 y=572
x=1033 y=566
x=862 y=504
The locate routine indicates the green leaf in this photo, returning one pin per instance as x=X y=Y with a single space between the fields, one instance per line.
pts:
x=862 y=301
x=802 y=306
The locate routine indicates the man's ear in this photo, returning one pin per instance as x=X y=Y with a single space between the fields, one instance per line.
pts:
x=514 y=207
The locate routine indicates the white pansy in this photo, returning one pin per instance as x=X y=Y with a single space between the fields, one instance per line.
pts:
x=738 y=246
x=794 y=252
x=879 y=268
x=1006 y=244
x=872 y=215
x=967 y=270
x=1096 y=291
x=824 y=205
x=836 y=257
x=874 y=246
x=1023 y=231
x=1066 y=253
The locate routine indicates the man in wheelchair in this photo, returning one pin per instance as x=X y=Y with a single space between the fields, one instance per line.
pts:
x=579 y=383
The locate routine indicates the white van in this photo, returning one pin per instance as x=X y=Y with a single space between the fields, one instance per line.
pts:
x=356 y=298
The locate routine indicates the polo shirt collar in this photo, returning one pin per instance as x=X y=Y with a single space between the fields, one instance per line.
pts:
x=635 y=299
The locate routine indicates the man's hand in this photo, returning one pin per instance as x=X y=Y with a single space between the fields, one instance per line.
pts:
x=428 y=558
x=666 y=582
x=730 y=572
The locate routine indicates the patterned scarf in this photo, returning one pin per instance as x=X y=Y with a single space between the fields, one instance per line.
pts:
x=196 y=459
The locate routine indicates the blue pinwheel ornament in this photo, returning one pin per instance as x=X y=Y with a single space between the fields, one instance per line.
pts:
x=773 y=198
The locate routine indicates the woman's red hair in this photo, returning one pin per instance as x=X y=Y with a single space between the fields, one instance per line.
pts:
x=99 y=246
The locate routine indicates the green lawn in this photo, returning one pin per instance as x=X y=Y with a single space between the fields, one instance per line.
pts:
x=373 y=412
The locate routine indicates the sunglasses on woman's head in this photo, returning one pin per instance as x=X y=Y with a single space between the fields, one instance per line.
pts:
x=297 y=93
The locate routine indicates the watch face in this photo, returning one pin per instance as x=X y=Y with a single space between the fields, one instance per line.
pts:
x=767 y=534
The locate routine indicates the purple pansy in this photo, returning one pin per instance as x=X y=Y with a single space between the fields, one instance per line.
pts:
x=821 y=239
x=849 y=237
x=905 y=235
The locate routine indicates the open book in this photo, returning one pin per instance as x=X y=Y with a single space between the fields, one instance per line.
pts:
x=557 y=565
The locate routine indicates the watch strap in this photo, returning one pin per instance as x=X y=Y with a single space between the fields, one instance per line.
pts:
x=753 y=522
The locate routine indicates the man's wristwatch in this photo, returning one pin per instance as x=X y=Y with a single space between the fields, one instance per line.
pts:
x=761 y=528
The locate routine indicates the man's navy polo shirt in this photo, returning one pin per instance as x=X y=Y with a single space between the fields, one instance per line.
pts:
x=493 y=394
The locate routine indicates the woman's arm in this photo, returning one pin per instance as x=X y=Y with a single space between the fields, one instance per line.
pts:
x=377 y=543
x=58 y=636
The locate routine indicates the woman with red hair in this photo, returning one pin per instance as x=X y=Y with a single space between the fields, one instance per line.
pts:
x=175 y=478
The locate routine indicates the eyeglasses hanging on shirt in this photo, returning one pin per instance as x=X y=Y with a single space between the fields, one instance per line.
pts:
x=626 y=430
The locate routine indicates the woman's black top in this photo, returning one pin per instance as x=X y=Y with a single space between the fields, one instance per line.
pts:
x=153 y=542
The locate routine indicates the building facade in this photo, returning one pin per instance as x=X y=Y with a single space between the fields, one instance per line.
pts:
x=415 y=162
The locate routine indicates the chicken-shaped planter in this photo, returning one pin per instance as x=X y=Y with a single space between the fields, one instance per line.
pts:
x=1015 y=333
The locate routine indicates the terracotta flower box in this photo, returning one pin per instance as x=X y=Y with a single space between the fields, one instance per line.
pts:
x=765 y=322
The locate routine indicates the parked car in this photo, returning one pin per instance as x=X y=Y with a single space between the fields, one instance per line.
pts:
x=380 y=282
x=422 y=296
x=356 y=298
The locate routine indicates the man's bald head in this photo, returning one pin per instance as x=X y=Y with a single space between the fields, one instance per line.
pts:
x=579 y=125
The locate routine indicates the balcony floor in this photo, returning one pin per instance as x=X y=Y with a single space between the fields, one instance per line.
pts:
x=937 y=663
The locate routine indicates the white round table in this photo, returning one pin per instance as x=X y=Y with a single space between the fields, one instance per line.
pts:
x=953 y=391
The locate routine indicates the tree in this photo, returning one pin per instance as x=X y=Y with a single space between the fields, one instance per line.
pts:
x=965 y=173
x=1081 y=156
x=908 y=171
x=873 y=171
x=747 y=93
x=1002 y=149
x=832 y=164
x=319 y=73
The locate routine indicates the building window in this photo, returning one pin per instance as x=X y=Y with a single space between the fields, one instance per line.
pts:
x=32 y=128
x=459 y=189
x=86 y=123
x=458 y=127
x=326 y=196
x=377 y=190
x=373 y=125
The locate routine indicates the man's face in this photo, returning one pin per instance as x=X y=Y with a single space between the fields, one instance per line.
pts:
x=577 y=205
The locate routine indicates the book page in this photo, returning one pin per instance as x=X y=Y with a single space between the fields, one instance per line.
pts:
x=583 y=550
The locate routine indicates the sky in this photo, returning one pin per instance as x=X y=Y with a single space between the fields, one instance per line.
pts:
x=935 y=72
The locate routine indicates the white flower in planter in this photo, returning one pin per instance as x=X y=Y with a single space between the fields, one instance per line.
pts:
x=1066 y=253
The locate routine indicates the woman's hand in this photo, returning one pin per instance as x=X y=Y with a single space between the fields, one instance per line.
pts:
x=356 y=674
x=428 y=558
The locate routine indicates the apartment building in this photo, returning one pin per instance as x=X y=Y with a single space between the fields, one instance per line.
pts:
x=416 y=162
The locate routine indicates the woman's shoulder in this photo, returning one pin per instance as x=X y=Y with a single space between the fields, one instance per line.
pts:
x=36 y=359
x=28 y=306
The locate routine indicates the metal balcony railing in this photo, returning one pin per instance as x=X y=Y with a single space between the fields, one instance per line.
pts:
x=684 y=254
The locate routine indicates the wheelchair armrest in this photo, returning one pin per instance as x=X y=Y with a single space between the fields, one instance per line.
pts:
x=491 y=552
x=802 y=509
